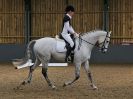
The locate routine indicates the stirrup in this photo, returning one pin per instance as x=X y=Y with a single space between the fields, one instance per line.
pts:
x=68 y=59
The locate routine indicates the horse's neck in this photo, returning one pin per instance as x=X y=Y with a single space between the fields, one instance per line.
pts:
x=93 y=35
x=101 y=33
x=90 y=37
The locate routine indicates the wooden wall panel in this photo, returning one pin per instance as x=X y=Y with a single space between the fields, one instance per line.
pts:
x=47 y=18
x=11 y=21
x=121 y=20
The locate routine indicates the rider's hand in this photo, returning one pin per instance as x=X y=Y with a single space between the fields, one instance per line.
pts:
x=76 y=34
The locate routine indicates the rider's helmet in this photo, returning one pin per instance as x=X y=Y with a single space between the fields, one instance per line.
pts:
x=69 y=8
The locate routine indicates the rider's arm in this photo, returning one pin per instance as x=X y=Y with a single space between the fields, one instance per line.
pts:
x=69 y=27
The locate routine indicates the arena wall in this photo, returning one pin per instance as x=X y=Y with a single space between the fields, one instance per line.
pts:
x=46 y=20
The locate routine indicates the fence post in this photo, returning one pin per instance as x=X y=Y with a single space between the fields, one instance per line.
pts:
x=27 y=20
x=106 y=15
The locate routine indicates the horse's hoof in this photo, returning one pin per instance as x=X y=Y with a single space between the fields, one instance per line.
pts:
x=94 y=87
x=67 y=83
x=54 y=87
x=64 y=85
x=17 y=88
x=23 y=83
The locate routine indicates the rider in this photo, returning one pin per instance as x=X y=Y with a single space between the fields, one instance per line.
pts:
x=67 y=29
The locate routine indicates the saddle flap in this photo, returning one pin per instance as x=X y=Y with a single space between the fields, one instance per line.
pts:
x=60 y=45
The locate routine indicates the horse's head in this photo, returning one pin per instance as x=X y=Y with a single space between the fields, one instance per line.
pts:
x=104 y=41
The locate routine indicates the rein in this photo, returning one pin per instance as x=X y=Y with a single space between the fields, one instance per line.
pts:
x=80 y=42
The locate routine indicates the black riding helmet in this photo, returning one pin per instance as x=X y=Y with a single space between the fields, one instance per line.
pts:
x=69 y=8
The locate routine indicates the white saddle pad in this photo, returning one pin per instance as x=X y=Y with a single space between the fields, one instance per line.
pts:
x=60 y=45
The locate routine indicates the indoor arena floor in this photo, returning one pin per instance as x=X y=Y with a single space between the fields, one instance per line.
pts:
x=113 y=82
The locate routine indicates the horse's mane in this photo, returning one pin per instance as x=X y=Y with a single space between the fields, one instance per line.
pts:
x=82 y=34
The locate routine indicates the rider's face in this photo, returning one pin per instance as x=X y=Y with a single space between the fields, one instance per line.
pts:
x=71 y=13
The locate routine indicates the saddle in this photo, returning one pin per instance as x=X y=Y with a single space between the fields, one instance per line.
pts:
x=64 y=46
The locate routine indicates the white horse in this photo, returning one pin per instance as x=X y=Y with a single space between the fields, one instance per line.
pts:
x=45 y=50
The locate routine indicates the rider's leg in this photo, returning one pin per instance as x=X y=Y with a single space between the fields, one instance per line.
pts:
x=69 y=48
x=68 y=39
x=68 y=53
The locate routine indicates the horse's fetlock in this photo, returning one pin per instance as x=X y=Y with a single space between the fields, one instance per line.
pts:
x=44 y=73
x=29 y=81
x=50 y=84
x=23 y=83
x=32 y=69
x=77 y=77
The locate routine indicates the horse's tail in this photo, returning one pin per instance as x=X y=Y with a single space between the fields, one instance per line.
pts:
x=18 y=62
x=28 y=50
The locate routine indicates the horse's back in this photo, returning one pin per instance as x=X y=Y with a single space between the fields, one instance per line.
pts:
x=46 y=43
x=45 y=40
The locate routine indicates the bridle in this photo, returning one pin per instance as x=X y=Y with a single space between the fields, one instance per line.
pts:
x=103 y=47
x=102 y=43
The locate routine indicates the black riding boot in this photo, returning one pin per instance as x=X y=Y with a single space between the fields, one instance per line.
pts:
x=69 y=49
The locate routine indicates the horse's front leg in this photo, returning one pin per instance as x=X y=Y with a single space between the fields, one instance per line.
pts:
x=86 y=67
x=77 y=75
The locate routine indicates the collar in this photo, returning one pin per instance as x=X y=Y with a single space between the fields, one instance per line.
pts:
x=69 y=16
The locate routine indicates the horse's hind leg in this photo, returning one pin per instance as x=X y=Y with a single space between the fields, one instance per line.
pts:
x=44 y=72
x=31 y=69
x=86 y=67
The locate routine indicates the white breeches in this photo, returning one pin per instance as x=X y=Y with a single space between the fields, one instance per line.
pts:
x=68 y=39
